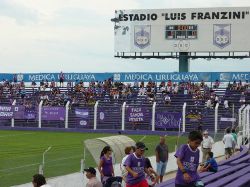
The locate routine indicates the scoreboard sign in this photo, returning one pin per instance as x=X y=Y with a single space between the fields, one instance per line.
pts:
x=183 y=30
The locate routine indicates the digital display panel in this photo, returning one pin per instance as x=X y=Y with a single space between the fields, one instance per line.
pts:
x=181 y=32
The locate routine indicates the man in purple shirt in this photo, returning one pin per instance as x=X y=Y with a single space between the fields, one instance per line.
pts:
x=188 y=161
x=135 y=165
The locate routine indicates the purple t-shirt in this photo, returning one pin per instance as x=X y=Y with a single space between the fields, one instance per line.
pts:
x=137 y=165
x=107 y=166
x=190 y=161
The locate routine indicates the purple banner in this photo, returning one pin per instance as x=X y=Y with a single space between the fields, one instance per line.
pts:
x=6 y=112
x=30 y=113
x=136 y=114
x=81 y=113
x=166 y=119
x=53 y=113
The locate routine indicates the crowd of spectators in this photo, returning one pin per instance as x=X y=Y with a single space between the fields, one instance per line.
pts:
x=80 y=92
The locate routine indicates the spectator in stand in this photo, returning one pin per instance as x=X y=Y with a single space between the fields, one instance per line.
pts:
x=61 y=79
x=91 y=175
x=141 y=90
x=202 y=84
x=206 y=145
x=242 y=98
x=105 y=166
x=234 y=86
x=52 y=84
x=39 y=181
x=228 y=141
x=167 y=99
x=226 y=105
x=216 y=84
x=246 y=85
x=209 y=104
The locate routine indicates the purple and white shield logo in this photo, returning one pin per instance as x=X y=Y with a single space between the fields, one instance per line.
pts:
x=142 y=36
x=222 y=35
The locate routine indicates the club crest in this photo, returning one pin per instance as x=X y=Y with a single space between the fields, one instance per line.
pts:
x=222 y=35
x=142 y=36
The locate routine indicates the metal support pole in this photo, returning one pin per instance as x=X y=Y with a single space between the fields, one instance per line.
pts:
x=240 y=115
x=95 y=114
x=67 y=115
x=153 y=116
x=123 y=116
x=43 y=163
x=13 y=120
x=184 y=117
x=40 y=114
x=216 y=118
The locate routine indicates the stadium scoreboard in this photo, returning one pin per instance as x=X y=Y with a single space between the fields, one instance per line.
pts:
x=181 y=32
x=201 y=30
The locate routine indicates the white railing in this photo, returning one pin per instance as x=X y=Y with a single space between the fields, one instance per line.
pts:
x=153 y=116
x=95 y=114
x=40 y=114
x=240 y=115
x=184 y=117
x=67 y=115
x=13 y=120
x=216 y=118
x=123 y=115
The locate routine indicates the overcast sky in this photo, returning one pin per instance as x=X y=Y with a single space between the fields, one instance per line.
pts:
x=77 y=36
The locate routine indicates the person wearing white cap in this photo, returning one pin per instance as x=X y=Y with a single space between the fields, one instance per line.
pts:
x=206 y=145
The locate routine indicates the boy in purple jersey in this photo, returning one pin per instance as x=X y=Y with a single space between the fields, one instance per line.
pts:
x=135 y=165
x=188 y=161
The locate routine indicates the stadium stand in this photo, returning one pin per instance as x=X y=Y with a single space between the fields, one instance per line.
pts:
x=111 y=96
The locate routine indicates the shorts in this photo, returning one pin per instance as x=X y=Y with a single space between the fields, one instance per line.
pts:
x=228 y=151
x=143 y=183
x=161 y=168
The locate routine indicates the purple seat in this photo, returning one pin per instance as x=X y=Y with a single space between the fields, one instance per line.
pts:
x=241 y=160
x=170 y=182
x=223 y=181
x=243 y=153
x=220 y=168
x=215 y=176
x=240 y=182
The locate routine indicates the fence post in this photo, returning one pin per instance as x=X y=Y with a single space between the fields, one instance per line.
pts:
x=153 y=116
x=13 y=120
x=67 y=115
x=240 y=115
x=123 y=116
x=248 y=124
x=184 y=117
x=244 y=121
x=216 y=118
x=40 y=114
x=95 y=114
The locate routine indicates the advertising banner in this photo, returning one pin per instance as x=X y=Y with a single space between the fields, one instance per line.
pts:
x=168 y=120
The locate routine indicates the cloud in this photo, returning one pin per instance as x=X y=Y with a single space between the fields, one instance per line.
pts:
x=77 y=35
